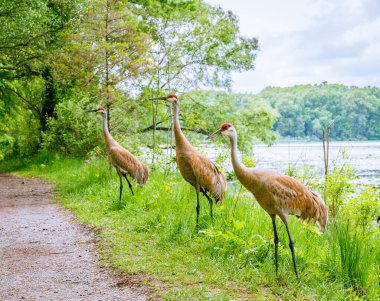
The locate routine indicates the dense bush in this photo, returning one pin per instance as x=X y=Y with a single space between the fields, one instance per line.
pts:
x=72 y=131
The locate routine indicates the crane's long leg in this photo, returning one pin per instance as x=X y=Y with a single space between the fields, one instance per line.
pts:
x=198 y=208
x=291 y=246
x=211 y=203
x=211 y=212
x=121 y=189
x=129 y=184
x=273 y=216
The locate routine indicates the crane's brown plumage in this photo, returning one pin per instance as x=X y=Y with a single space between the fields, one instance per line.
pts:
x=125 y=163
x=195 y=168
x=200 y=172
x=277 y=194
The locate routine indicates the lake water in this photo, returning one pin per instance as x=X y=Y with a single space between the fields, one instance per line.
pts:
x=364 y=156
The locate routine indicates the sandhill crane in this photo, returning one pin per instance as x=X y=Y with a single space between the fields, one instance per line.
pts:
x=125 y=163
x=277 y=194
x=195 y=168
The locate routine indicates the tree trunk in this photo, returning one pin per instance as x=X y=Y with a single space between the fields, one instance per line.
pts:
x=326 y=150
x=155 y=112
x=48 y=104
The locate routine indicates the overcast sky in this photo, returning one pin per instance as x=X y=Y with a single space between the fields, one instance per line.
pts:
x=309 y=41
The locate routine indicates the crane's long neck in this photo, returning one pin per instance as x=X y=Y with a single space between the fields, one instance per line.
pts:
x=180 y=139
x=107 y=136
x=240 y=170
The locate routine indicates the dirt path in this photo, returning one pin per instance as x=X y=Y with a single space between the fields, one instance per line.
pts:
x=44 y=255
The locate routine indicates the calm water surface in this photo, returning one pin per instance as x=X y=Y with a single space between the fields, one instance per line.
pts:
x=364 y=156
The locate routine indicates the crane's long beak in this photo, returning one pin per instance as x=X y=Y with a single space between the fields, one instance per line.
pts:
x=89 y=111
x=158 y=98
x=217 y=133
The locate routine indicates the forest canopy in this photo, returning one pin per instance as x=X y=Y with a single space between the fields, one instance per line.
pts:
x=59 y=58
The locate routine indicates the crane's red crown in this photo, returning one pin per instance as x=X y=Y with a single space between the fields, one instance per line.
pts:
x=101 y=109
x=225 y=126
x=172 y=96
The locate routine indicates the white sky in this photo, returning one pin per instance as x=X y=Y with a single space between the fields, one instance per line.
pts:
x=309 y=41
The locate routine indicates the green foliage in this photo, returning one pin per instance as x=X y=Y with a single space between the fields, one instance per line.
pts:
x=339 y=183
x=28 y=39
x=302 y=111
x=19 y=129
x=23 y=37
x=363 y=208
x=25 y=131
x=6 y=146
x=193 y=43
x=103 y=50
x=71 y=131
x=305 y=174
x=6 y=141
x=350 y=256
x=210 y=109
x=111 y=51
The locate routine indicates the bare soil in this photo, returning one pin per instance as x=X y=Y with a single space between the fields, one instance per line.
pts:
x=45 y=255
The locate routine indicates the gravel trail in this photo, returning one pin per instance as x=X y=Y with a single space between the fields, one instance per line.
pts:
x=45 y=255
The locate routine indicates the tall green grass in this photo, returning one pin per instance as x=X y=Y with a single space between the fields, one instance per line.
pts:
x=154 y=235
x=351 y=257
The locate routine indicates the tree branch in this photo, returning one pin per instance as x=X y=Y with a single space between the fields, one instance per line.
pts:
x=30 y=40
x=162 y=128
x=32 y=106
x=180 y=70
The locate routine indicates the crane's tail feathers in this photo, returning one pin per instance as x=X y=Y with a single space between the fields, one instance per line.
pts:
x=142 y=175
x=315 y=211
x=216 y=193
x=321 y=215
x=216 y=198
x=219 y=188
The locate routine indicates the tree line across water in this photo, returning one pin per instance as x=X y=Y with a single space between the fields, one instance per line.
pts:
x=302 y=111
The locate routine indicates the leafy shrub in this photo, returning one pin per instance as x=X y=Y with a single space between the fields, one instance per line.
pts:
x=72 y=131
x=6 y=146
x=364 y=208
x=339 y=183
x=24 y=135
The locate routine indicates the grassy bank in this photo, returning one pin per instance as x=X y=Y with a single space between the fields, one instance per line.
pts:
x=153 y=236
